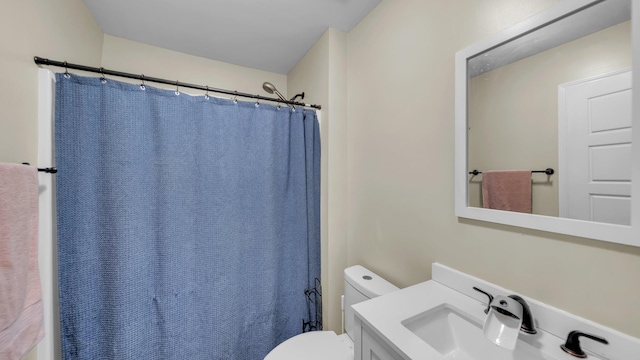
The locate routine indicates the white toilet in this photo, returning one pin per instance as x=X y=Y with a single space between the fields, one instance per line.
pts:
x=360 y=284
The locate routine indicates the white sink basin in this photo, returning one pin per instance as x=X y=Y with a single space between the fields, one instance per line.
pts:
x=458 y=336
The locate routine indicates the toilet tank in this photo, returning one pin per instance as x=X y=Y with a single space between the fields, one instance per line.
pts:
x=361 y=284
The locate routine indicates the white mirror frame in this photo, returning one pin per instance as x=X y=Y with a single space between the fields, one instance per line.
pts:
x=629 y=235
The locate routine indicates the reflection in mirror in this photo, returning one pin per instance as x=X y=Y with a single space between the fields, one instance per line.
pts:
x=558 y=98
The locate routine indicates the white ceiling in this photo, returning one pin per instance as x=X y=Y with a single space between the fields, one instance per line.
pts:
x=271 y=35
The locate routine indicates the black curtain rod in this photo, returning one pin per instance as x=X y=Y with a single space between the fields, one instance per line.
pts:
x=548 y=171
x=103 y=71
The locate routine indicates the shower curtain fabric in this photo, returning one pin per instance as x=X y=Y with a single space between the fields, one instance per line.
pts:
x=188 y=228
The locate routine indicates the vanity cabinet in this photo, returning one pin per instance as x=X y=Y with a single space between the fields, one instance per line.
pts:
x=373 y=349
x=368 y=346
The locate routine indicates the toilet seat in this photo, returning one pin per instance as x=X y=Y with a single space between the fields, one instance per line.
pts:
x=315 y=345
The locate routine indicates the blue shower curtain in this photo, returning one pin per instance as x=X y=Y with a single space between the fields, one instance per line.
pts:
x=188 y=228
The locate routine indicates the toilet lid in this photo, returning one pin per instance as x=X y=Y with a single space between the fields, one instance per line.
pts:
x=315 y=345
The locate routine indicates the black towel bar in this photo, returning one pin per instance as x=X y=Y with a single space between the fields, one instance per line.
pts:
x=548 y=171
x=50 y=170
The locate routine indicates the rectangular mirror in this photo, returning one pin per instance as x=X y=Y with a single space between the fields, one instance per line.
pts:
x=544 y=112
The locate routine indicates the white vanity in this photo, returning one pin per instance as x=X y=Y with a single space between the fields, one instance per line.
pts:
x=443 y=319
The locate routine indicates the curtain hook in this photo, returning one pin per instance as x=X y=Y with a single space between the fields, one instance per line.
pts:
x=102 y=78
x=206 y=95
x=278 y=107
x=142 y=85
x=66 y=71
x=177 y=89
x=235 y=98
x=257 y=101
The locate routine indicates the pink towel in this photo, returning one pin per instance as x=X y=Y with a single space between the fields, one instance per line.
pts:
x=507 y=190
x=21 y=310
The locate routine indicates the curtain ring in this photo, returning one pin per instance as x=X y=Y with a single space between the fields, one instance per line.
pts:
x=206 y=95
x=102 y=78
x=177 y=89
x=142 y=85
x=66 y=71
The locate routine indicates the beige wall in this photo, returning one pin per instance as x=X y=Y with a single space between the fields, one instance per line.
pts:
x=62 y=30
x=513 y=110
x=322 y=74
x=400 y=170
x=138 y=58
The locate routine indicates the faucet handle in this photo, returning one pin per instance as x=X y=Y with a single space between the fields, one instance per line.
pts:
x=486 y=311
x=572 y=346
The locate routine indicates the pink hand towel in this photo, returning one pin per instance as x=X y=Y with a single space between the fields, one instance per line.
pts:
x=507 y=190
x=21 y=309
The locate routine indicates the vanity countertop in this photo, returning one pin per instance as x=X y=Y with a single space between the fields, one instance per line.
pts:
x=384 y=317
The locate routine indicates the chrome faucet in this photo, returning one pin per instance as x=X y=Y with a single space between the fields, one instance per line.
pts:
x=528 y=325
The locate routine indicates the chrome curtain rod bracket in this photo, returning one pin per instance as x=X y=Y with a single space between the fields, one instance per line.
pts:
x=548 y=171
x=103 y=72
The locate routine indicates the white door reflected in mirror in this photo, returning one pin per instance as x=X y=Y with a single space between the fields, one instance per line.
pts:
x=595 y=148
